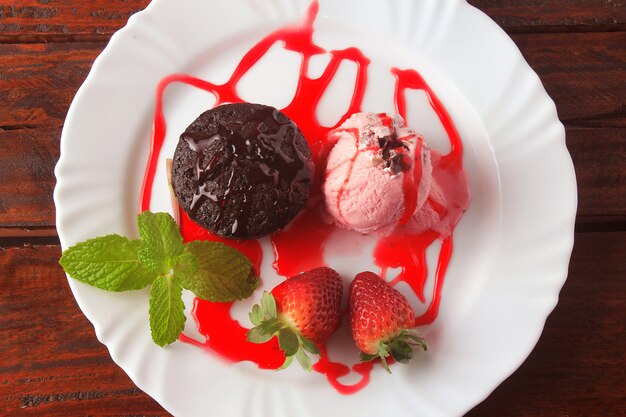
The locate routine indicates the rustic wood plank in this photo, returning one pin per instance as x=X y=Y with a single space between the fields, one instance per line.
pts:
x=38 y=82
x=52 y=363
x=27 y=233
x=27 y=179
x=576 y=369
x=532 y=16
x=599 y=155
x=584 y=73
x=64 y=20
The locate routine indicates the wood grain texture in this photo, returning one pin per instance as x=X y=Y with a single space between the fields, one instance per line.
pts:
x=27 y=177
x=64 y=20
x=599 y=156
x=27 y=233
x=52 y=364
x=532 y=16
x=38 y=82
x=584 y=73
x=576 y=369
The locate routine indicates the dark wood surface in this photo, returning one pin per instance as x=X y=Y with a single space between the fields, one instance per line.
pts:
x=50 y=360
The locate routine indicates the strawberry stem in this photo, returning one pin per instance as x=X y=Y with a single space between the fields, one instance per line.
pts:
x=269 y=324
x=400 y=348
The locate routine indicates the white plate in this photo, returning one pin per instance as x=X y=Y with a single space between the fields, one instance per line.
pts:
x=511 y=248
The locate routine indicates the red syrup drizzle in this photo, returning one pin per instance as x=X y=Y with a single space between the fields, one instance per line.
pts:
x=410 y=184
x=406 y=249
x=300 y=246
x=336 y=370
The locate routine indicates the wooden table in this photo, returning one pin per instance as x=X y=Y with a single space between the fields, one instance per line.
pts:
x=50 y=360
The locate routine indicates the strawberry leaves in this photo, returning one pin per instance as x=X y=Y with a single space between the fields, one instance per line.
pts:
x=268 y=324
x=288 y=341
x=399 y=348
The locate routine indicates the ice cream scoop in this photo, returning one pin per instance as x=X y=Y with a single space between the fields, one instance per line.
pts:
x=378 y=173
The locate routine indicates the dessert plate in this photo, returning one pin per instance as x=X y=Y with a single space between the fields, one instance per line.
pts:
x=511 y=249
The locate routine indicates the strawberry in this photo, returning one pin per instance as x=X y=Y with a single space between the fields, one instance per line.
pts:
x=301 y=311
x=381 y=320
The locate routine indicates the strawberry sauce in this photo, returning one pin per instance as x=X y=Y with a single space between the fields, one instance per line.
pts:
x=300 y=246
x=292 y=255
x=410 y=184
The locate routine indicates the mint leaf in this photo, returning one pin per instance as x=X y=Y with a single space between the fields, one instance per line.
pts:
x=224 y=274
x=185 y=264
x=213 y=271
x=109 y=262
x=167 y=317
x=161 y=240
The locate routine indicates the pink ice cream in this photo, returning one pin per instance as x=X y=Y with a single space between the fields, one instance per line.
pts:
x=378 y=175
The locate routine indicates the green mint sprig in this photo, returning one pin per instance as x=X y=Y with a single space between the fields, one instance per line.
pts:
x=212 y=271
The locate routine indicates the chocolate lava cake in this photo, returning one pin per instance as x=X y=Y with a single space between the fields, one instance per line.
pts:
x=242 y=170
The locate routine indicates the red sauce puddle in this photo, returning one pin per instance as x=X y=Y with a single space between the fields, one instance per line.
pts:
x=301 y=245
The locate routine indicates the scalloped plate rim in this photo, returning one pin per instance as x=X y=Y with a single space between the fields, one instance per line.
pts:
x=558 y=142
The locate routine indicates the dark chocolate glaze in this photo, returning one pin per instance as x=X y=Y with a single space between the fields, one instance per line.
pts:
x=242 y=170
x=394 y=153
